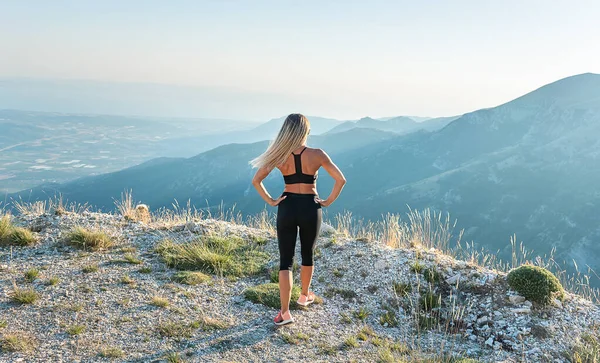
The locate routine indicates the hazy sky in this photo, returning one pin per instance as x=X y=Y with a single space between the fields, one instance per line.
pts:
x=343 y=59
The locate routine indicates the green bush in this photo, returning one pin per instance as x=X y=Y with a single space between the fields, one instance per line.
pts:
x=535 y=283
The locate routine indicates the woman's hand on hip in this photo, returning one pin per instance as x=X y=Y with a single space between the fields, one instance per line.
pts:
x=322 y=202
x=275 y=202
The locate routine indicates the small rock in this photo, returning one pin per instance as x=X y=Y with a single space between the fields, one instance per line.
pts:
x=490 y=341
x=557 y=303
x=525 y=310
x=327 y=230
x=516 y=299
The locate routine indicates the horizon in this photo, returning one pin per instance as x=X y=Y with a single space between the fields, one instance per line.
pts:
x=338 y=61
x=217 y=118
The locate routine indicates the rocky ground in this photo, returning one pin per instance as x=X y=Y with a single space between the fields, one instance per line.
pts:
x=122 y=304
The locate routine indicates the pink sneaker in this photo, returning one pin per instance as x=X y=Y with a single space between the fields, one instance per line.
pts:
x=305 y=300
x=280 y=320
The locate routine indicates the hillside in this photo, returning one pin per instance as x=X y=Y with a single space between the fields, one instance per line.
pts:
x=38 y=147
x=528 y=167
x=124 y=303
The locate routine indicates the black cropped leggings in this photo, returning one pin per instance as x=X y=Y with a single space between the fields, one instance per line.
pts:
x=297 y=212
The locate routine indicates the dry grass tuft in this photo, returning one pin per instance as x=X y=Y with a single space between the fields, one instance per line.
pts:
x=88 y=239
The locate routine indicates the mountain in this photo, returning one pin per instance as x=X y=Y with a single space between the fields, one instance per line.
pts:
x=529 y=167
x=399 y=124
x=220 y=174
x=32 y=144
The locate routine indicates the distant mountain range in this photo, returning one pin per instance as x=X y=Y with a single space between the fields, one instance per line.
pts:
x=530 y=167
x=399 y=125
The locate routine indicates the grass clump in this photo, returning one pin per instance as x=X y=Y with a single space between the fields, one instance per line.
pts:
x=401 y=288
x=432 y=275
x=417 y=267
x=429 y=301
x=112 y=353
x=130 y=258
x=160 y=302
x=268 y=295
x=90 y=268
x=177 y=329
x=75 y=330
x=10 y=235
x=53 y=281
x=32 y=274
x=191 y=277
x=295 y=338
x=127 y=280
x=227 y=256
x=3 y=324
x=362 y=313
x=535 y=283
x=17 y=342
x=586 y=350
x=145 y=270
x=350 y=342
x=389 y=319
x=24 y=296
x=84 y=239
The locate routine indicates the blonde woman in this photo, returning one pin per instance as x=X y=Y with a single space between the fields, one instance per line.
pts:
x=299 y=207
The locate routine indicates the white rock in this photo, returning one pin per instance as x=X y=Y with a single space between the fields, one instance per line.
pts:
x=525 y=310
x=327 y=230
x=490 y=341
x=516 y=299
x=557 y=303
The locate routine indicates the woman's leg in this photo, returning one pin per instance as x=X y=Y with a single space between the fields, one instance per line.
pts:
x=287 y=231
x=310 y=226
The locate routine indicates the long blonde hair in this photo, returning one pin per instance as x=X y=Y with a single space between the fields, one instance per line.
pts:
x=292 y=135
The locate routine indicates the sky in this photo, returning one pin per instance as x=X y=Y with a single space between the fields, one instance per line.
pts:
x=256 y=60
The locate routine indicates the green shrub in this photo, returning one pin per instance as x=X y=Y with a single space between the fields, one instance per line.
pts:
x=535 y=283
x=84 y=238
x=268 y=294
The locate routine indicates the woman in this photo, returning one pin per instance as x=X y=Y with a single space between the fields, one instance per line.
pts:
x=299 y=207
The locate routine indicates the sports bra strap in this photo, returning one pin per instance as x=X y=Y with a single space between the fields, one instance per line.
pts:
x=300 y=151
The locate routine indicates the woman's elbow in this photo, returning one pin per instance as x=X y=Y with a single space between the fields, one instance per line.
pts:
x=342 y=181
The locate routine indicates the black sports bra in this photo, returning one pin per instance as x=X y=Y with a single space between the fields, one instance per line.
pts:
x=298 y=177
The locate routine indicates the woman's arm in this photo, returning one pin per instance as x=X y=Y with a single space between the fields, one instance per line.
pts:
x=260 y=175
x=336 y=174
